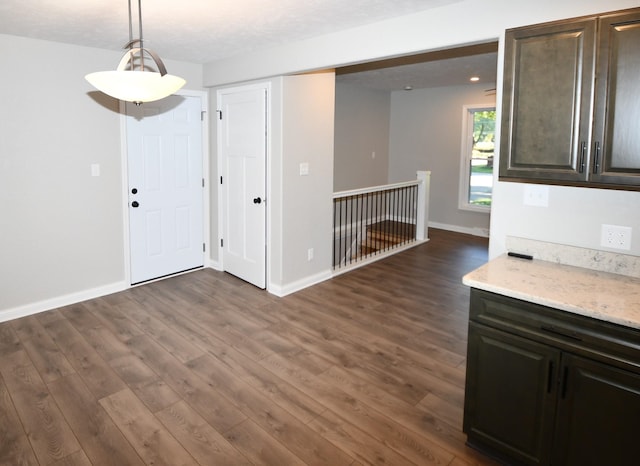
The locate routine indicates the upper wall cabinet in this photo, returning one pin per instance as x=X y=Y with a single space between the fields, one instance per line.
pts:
x=571 y=102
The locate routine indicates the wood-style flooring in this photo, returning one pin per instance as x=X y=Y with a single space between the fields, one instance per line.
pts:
x=203 y=368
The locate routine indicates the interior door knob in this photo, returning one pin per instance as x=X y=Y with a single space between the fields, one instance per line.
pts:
x=257 y=200
x=134 y=204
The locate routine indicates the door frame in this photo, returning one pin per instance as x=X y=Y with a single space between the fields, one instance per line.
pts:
x=124 y=162
x=266 y=85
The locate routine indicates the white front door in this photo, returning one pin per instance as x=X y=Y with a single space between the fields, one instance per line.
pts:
x=164 y=147
x=242 y=134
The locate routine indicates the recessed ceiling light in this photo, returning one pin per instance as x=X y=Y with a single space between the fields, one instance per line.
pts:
x=408 y=88
x=474 y=79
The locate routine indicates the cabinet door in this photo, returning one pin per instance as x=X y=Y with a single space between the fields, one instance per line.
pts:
x=510 y=395
x=547 y=102
x=616 y=146
x=598 y=420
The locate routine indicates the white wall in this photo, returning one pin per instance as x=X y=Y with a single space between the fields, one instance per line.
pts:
x=426 y=134
x=61 y=230
x=361 y=129
x=467 y=22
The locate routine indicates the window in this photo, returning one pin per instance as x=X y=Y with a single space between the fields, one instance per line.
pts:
x=476 y=168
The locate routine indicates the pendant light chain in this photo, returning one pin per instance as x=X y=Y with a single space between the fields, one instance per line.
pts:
x=140 y=33
x=130 y=37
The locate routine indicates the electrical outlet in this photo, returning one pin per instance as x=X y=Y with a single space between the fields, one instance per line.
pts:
x=310 y=254
x=616 y=237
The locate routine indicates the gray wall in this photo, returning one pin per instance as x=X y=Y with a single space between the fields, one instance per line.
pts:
x=426 y=134
x=361 y=129
x=61 y=230
x=299 y=208
x=467 y=22
x=306 y=208
x=409 y=131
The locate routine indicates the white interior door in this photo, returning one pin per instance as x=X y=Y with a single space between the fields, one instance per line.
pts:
x=243 y=151
x=164 y=147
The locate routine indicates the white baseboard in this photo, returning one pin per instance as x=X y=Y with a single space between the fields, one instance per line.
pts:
x=306 y=282
x=483 y=232
x=280 y=291
x=60 y=301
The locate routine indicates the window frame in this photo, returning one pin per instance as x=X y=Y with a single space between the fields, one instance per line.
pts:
x=466 y=153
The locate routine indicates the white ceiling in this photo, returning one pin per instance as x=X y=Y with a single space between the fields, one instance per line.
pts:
x=197 y=31
x=201 y=31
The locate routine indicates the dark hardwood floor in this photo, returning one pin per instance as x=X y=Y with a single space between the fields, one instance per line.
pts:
x=202 y=368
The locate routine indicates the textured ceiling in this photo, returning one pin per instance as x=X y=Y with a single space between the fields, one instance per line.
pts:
x=201 y=31
x=197 y=31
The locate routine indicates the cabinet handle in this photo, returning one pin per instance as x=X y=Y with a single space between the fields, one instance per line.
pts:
x=596 y=160
x=550 y=377
x=583 y=151
x=565 y=379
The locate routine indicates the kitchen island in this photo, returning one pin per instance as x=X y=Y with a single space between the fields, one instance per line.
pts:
x=553 y=363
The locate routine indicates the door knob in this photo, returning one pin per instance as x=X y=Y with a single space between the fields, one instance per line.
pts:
x=134 y=204
x=257 y=200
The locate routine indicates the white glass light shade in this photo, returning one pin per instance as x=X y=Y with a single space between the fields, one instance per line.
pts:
x=135 y=86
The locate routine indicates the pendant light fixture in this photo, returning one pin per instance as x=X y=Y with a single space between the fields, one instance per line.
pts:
x=132 y=81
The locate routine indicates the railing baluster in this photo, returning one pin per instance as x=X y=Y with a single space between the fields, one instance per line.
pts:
x=409 y=212
x=401 y=219
x=333 y=246
x=414 y=207
x=401 y=210
x=405 y=219
x=388 y=218
x=360 y=224
x=368 y=223
x=354 y=222
x=340 y=232
x=393 y=226
x=375 y=237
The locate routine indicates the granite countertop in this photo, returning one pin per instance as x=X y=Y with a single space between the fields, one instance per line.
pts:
x=602 y=295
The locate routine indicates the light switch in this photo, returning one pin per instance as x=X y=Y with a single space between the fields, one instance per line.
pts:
x=536 y=195
x=95 y=169
x=304 y=169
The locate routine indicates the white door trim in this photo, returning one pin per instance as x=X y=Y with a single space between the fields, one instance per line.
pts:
x=204 y=100
x=221 y=169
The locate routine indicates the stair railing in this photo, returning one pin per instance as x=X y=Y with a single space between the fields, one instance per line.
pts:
x=371 y=223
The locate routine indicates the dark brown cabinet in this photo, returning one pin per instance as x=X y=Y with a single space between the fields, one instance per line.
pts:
x=571 y=102
x=508 y=408
x=597 y=421
x=546 y=387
